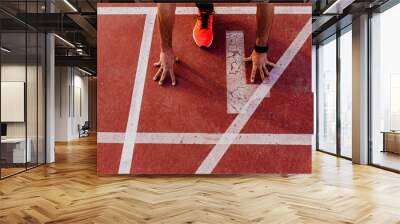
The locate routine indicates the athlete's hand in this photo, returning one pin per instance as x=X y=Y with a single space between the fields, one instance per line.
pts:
x=166 y=66
x=260 y=62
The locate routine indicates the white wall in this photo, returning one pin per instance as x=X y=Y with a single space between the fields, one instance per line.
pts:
x=16 y=73
x=71 y=94
x=80 y=84
x=10 y=73
x=33 y=127
x=62 y=82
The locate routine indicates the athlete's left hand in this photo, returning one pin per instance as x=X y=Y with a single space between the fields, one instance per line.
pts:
x=260 y=62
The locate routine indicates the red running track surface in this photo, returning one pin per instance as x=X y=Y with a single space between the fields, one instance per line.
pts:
x=198 y=104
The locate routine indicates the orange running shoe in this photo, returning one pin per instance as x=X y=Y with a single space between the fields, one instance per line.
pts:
x=202 y=31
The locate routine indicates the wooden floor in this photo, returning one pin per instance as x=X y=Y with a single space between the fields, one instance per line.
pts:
x=69 y=191
x=5 y=172
x=387 y=159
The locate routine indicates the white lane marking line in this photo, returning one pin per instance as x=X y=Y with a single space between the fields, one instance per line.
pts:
x=137 y=95
x=307 y=10
x=206 y=138
x=126 y=10
x=247 y=10
x=186 y=10
x=111 y=137
x=215 y=155
x=237 y=90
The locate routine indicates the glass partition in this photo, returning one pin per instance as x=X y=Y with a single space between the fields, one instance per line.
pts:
x=23 y=91
x=41 y=107
x=14 y=153
x=346 y=93
x=385 y=89
x=31 y=100
x=327 y=95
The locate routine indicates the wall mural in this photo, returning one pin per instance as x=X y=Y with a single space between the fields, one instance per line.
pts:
x=215 y=120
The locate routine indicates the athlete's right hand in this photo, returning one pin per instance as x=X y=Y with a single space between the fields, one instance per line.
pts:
x=166 y=66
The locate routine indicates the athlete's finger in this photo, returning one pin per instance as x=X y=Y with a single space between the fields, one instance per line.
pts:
x=253 y=73
x=260 y=69
x=164 y=73
x=157 y=64
x=247 y=59
x=271 y=64
x=157 y=75
x=173 y=78
x=265 y=69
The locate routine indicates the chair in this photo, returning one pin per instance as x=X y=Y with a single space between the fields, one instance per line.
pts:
x=84 y=130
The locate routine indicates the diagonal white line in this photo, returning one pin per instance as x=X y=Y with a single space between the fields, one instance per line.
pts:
x=307 y=10
x=206 y=138
x=137 y=95
x=238 y=91
x=126 y=10
x=215 y=155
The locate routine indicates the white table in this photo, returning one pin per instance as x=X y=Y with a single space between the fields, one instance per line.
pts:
x=19 y=154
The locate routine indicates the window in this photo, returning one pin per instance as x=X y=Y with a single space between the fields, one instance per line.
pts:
x=327 y=96
x=385 y=89
x=346 y=92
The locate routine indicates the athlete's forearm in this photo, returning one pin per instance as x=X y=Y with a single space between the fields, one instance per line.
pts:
x=265 y=13
x=166 y=19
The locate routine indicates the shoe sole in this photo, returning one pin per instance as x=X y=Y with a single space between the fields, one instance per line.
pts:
x=202 y=46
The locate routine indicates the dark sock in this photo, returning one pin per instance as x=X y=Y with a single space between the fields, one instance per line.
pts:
x=205 y=7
